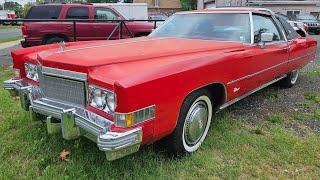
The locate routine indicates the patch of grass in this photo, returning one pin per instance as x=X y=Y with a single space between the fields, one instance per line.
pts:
x=302 y=117
x=258 y=131
x=230 y=151
x=312 y=96
x=317 y=114
x=275 y=118
x=272 y=92
x=9 y=27
x=314 y=73
x=15 y=38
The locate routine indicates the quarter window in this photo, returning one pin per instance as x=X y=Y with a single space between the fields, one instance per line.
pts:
x=265 y=24
x=102 y=13
x=44 y=12
x=78 y=13
x=290 y=32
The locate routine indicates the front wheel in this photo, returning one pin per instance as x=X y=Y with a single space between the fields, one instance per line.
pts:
x=290 y=80
x=193 y=123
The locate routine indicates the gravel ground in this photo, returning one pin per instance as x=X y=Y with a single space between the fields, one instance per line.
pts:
x=287 y=103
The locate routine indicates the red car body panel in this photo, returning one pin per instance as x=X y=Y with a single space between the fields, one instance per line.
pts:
x=163 y=71
x=36 y=32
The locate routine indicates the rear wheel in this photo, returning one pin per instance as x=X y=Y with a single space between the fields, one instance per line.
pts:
x=290 y=80
x=193 y=123
x=54 y=40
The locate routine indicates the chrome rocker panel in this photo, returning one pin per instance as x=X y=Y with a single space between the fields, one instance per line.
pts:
x=74 y=121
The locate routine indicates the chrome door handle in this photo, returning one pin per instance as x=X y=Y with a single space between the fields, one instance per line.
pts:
x=287 y=48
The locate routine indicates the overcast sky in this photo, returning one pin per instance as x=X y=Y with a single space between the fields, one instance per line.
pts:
x=22 y=2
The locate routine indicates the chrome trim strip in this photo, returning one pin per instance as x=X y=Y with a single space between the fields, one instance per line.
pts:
x=267 y=69
x=251 y=27
x=64 y=74
x=137 y=110
x=250 y=92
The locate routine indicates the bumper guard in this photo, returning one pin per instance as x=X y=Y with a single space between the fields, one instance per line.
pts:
x=74 y=121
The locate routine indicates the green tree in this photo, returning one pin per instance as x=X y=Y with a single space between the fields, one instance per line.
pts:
x=188 y=4
x=14 y=6
x=26 y=9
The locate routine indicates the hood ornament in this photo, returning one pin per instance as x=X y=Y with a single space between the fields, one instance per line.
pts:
x=62 y=46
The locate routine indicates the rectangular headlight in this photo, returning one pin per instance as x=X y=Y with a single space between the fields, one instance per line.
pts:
x=127 y=120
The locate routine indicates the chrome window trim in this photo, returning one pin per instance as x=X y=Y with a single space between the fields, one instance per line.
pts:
x=251 y=27
x=64 y=74
x=280 y=27
x=276 y=23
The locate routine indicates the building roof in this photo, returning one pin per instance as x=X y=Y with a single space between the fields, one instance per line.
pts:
x=279 y=2
x=231 y=9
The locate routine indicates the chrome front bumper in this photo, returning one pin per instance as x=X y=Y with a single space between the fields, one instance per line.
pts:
x=74 y=121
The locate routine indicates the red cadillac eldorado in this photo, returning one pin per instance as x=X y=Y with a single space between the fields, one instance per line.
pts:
x=167 y=86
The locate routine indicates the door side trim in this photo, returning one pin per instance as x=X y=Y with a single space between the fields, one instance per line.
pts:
x=250 y=92
x=267 y=69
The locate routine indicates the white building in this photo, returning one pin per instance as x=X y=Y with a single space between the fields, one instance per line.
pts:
x=287 y=7
x=290 y=8
x=22 y=2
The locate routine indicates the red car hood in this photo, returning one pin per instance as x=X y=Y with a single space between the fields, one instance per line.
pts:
x=138 y=49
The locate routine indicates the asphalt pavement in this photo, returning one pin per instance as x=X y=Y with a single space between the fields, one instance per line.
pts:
x=5 y=55
x=8 y=33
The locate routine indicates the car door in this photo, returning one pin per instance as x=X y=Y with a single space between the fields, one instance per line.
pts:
x=83 y=29
x=298 y=47
x=270 y=59
x=104 y=29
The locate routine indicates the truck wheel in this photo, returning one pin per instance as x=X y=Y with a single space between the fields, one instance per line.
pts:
x=290 y=80
x=193 y=123
x=54 y=40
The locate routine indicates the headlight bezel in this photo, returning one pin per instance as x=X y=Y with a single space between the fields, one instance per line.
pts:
x=97 y=98
x=31 y=71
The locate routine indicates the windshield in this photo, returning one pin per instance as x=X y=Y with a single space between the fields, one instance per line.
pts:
x=306 y=18
x=217 y=26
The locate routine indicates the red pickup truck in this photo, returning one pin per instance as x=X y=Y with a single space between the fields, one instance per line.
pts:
x=38 y=33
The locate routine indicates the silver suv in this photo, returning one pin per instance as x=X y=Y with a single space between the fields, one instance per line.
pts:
x=312 y=23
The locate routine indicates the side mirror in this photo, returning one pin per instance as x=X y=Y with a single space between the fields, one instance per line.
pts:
x=265 y=38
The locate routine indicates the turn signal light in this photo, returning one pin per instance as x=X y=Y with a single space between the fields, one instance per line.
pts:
x=127 y=120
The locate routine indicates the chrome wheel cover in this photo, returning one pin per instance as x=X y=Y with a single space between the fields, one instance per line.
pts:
x=197 y=123
x=295 y=75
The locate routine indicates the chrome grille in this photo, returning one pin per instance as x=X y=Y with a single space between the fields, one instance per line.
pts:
x=68 y=90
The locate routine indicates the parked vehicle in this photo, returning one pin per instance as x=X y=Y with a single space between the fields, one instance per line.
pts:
x=8 y=15
x=38 y=33
x=129 y=10
x=299 y=27
x=311 y=22
x=166 y=86
x=158 y=17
